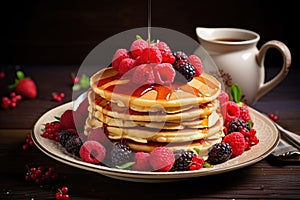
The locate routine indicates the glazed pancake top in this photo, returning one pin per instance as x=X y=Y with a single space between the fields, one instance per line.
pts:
x=109 y=84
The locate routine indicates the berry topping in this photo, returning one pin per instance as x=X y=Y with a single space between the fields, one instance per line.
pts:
x=197 y=63
x=143 y=74
x=149 y=55
x=219 y=153
x=162 y=159
x=137 y=47
x=141 y=160
x=179 y=55
x=186 y=71
x=126 y=65
x=119 y=55
x=164 y=73
x=92 y=152
x=237 y=142
x=121 y=154
x=167 y=55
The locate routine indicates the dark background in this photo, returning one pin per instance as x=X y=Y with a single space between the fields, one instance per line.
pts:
x=63 y=32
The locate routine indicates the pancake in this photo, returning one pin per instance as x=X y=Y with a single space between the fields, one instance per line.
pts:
x=119 y=89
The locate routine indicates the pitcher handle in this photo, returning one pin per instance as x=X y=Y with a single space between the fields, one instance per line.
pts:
x=287 y=59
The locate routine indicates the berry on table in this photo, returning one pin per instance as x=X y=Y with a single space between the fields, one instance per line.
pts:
x=28 y=142
x=62 y=193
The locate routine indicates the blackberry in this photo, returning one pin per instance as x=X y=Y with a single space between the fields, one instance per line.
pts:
x=73 y=145
x=64 y=136
x=183 y=160
x=120 y=154
x=185 y=70
x=219 y=153
x=236 y=125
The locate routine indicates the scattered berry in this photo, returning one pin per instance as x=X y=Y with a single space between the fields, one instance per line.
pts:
x=219 y=153
x=237 y=142
x=141 y=160
x=232 y=111
x=2 y=75
x=11 y=101
x=120 y=154
x=92 y=152
x=28 y=142
x=24 y=86
x=162 y=159
x=164 y=73
x=187 y=160
x=58 y=97
x=64 y=135
x=67 y=120
x=62 y=194
x=52 y=130
x=273 y=117
x=40 y=174
x=73 y=145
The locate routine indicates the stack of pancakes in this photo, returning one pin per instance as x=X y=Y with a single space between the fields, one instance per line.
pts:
x=180 y=116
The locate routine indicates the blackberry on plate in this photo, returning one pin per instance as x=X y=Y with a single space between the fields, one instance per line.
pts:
x=64 y=136
x=120 y=154
x=183 y=160
x=219 y=153
x=236 y=125
x=185 y=70
x=73 y=145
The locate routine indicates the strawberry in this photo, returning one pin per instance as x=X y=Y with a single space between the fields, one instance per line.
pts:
x=24 y=86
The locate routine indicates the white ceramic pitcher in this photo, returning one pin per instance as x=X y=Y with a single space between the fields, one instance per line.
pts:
x=239 y=60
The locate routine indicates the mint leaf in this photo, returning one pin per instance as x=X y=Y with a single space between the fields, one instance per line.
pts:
x=20 y=75
x=138 y=37
x=125 y=166
x=236 y=93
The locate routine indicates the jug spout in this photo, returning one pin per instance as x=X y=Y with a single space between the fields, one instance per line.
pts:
x=204 y=33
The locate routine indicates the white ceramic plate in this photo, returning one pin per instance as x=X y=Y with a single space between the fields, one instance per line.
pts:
x=266 y=132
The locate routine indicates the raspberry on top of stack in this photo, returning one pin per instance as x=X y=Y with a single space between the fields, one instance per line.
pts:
x=151 y=96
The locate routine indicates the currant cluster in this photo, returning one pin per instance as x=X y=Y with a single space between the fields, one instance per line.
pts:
x=51 y=130
x=28 y=142
x=11 y=101
x=58 y=97
x=40 y=174
x=62 y=194
x=273 y=117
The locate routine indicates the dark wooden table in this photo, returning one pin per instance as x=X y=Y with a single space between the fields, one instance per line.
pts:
x=266 y=179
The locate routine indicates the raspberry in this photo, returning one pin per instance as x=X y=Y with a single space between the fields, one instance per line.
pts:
x=149 y=55
x=197 y=63
x=219 y=153
x=126 y=65
x=232 y=110
x=164 y=73
x=244 y=113
x=67 y=120
x=137 y=47
x=162 y=159
x=223 y=97
x=119 y=55
x=167 y=55
x=141 y=160
x=92 y=152
x=143 y=74
x=237 y=142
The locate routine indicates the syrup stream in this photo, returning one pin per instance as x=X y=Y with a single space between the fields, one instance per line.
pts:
x=149 y=28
